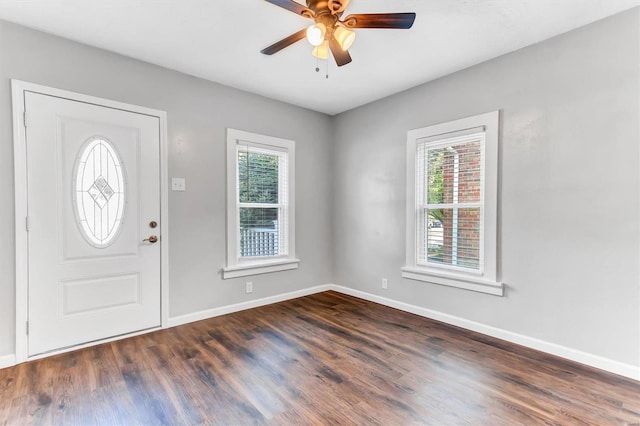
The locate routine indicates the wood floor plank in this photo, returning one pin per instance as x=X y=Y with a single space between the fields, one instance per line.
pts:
x=322 y=359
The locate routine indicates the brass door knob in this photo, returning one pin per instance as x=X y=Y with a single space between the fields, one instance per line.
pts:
x=152 y=239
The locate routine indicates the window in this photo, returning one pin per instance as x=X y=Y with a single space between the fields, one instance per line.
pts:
x=452 y=204
x=260 y=204
x=99 y=192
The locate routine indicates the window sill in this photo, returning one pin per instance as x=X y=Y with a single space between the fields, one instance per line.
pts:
x=259 y=268
x=454 y=280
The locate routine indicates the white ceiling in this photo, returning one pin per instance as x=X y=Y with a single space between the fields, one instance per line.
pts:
x=221 y=40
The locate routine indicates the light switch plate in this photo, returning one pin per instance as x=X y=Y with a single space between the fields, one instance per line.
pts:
x=178 y=184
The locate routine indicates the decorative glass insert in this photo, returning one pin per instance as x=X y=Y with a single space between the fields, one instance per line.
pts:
x=99 y=192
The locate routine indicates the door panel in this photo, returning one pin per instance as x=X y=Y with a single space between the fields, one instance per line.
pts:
x=91 y=276
x=95 y=294
x=75 y=133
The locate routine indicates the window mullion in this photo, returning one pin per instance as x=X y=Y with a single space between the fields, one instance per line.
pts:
x=451 y=206
x=258 y=205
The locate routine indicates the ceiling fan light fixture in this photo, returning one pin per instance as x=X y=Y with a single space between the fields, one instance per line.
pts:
x=344 y=37
x=316 y=33
x=331 y=32
x=321 y=51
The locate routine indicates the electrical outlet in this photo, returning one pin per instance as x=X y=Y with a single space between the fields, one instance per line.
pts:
x=249 y=287
x=178 y=184
x=385 y=283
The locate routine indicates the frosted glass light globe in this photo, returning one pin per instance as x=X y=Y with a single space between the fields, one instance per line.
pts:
x=316 y=33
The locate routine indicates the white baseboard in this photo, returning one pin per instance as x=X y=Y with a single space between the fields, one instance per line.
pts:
x=223 y=310
x=7 y=361
x=622 y=369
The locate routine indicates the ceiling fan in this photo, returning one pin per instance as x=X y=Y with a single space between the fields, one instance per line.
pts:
x=330 y=32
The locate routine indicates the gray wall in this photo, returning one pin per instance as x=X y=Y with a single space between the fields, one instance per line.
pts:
x=569 y=209
x=198 y=114
x=569 y=181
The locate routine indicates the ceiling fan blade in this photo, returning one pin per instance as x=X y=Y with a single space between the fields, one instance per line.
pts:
x=342 y=57
x=287 y=41
x=293 y=6
x=380 y=20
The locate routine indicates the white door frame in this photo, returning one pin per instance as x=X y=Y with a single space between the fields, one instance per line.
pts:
x=20 y=186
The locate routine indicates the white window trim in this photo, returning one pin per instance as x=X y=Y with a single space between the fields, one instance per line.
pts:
x=237 y=267
x=485 y=280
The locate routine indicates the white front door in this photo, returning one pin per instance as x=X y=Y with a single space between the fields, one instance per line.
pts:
x=93 y=183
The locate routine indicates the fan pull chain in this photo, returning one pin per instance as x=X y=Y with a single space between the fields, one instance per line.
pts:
x=326 y=63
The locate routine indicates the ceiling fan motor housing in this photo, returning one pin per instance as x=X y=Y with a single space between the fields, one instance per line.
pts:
x=338 y=6
x=320 y=7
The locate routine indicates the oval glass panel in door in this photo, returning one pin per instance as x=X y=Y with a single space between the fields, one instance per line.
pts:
x=99 y=192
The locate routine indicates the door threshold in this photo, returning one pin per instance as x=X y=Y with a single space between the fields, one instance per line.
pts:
x=89 y=344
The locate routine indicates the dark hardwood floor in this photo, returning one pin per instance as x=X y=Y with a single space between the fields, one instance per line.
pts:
x=326 y=358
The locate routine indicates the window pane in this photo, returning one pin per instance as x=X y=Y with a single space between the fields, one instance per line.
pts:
x=453 y=237
x=259 y=232
x=454 y=173
x=257 y=177
x=99 y=192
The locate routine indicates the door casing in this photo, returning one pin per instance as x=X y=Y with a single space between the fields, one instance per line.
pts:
x=21 y=209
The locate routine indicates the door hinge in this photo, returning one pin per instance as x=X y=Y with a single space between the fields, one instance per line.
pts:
x=24 y=118
x=26 y=223
x=27 y=328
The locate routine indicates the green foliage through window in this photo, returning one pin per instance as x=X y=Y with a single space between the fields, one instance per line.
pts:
x=258 y=183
